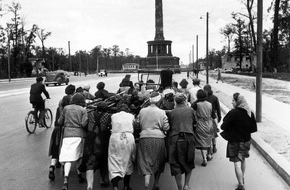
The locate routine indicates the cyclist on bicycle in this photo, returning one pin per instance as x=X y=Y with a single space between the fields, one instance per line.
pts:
x=36 y=99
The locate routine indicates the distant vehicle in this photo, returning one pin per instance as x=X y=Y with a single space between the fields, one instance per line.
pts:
x=56 y=77
x=102 y=73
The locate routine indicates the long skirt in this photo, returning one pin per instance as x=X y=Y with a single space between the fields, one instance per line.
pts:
x=151 y=156
x=181 y=153
x=71 y=149
x=121 y=155
x=55 y=141
x=203 y=135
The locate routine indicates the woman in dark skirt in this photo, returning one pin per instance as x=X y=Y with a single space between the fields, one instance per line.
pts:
x=151 y=152
x=96 y=146
x=237 y=124
x=181 y=141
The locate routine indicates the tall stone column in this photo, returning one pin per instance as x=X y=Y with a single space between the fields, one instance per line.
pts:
x=158 y=21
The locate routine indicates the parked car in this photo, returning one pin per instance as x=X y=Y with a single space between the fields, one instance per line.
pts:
x=56 y=77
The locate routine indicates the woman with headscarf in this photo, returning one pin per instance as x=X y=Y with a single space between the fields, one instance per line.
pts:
x=122 y=148
x=151 y=155
x=217 y=114
x=204 y=127
x=55 y=139
x=96 y=144
x=237 y=124
x=102 y=94
x=73 y=118
x=181 y=141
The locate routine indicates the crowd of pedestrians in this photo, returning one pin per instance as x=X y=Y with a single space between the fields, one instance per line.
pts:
x=132 y=131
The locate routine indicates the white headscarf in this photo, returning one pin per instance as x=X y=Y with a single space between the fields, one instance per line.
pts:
x=242 y=103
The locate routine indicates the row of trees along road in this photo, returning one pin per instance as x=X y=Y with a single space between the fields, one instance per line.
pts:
x=241 y=32
x=276 y=41
x=22 y=43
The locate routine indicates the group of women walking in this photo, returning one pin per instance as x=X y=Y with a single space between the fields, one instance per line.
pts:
x=104 y=140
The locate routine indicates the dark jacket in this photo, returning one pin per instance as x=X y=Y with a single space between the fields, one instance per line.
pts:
x=35 y=92
x=104 y=94
x=215 y=105
x=237 y=124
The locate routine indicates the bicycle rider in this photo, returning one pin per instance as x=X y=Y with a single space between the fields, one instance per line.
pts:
x=36 y=99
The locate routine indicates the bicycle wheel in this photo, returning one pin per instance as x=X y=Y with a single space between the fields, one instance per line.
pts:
x=48 y=118
x=30 y=122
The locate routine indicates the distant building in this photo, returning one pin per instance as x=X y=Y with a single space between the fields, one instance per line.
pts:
x=130 y=66
x=231 y=61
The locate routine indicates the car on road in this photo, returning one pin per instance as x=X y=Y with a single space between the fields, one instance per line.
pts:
x=102 y=73
x=56 y=77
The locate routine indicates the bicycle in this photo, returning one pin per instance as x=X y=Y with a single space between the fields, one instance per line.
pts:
x=31 y=120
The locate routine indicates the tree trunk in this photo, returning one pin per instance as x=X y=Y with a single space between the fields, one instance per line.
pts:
x=275 y=34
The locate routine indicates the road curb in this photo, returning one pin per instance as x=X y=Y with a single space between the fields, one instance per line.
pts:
x=278 y=162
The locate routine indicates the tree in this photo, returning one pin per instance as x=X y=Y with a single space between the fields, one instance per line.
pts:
x=42 y=35
x=240 y=42
x=228 y=31
x=251 y=16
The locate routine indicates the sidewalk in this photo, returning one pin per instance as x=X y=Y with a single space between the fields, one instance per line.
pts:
x=273 y=137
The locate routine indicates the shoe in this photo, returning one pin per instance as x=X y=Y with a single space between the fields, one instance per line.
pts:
x=240 y=187
x=204 y=163
x=89 y=188
x=155 y=188
x=65 y=184
x=146 y=187
x=51 y=175
x=81 y=179
x=186 y=188
x=209 y=157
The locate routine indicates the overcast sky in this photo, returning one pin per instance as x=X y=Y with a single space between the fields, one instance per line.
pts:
x=131 y=23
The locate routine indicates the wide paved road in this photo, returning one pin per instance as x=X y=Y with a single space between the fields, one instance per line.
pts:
x=24 y=161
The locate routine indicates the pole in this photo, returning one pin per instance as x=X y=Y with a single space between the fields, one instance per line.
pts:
x=192 y=54
x=9 y=76
x=197 y=66
x=259 y=61
x=70 y=64
x=207 y=48
x=80 y=64
x=97 y=63
x=156 y=57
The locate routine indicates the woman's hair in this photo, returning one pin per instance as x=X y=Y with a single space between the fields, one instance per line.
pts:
x=70 y=89
x=78 y=99
x=100 y=85
x=180 y=98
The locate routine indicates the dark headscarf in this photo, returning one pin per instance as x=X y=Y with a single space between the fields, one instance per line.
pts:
x=201 y=95
x=183 y=83
x=207 y=89
x=70 y=89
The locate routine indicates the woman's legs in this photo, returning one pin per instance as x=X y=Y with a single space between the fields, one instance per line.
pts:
x=187 y=179
x=127 y=182
x=203 y=153
x=239 y=170
x=115 y=182
x=156 y=179
x=178 y=181
x=67 y=167
x=90 y=178
x=52 y=166
x=147 y=181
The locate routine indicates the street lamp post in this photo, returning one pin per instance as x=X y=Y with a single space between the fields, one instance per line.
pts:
x=207 y=61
